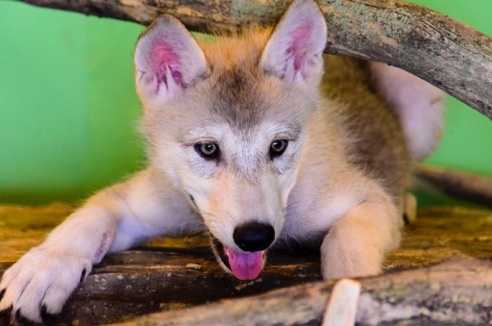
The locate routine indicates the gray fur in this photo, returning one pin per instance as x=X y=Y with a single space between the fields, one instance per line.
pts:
x=378 y=146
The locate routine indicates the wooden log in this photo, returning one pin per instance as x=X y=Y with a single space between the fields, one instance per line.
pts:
x=432 y=46
x=170 y=274
x=458 y=184
x=454 y=292
x=146 y=280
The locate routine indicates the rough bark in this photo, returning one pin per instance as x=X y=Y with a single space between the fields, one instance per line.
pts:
x=455 y=292
x=461 y=185
x=448 y=54
x=170 y=274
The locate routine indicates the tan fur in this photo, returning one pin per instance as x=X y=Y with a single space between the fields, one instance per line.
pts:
x=354 y=150
x=339 y=185
x=243 y=50
x=359 y=122
x=378 y=145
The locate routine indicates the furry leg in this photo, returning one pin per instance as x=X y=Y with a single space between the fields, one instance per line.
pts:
x=418 y=104
x=112 y=220
x=356 y=244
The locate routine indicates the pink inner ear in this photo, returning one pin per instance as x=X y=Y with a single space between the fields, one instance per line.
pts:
x=164 y=58
x=299 y=45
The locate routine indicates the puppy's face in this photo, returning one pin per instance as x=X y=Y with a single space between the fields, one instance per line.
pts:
x=226 y=123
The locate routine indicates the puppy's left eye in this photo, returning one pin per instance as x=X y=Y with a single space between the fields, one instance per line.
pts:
x=209 y=151
x=278 y=147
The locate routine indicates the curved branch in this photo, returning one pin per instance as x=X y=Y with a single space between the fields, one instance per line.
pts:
x=458 y=184
x=447 y=54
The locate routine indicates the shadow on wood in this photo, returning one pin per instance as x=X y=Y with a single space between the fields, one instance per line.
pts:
x=171 y=274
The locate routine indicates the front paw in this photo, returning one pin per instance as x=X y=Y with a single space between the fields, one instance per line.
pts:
x=348 y=255
x=42 y=280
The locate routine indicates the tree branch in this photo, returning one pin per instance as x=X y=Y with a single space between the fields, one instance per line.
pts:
x=461 y=185
x=447 y=54
x=454 y=292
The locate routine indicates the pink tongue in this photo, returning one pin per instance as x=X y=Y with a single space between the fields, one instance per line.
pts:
x=245 y=265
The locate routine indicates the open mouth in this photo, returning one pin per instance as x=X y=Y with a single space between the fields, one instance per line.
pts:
x=243 y=265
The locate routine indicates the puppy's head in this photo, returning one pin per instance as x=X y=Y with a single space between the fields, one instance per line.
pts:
x=226 y=122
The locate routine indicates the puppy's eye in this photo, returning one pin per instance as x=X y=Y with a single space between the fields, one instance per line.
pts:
x=209 y=151
x=278 y=147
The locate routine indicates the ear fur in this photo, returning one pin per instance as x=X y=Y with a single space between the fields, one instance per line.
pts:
x=167 y=60
x=294 y=52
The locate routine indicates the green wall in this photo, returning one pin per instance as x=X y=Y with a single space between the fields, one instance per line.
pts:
x=68 y=110
x=67 y=102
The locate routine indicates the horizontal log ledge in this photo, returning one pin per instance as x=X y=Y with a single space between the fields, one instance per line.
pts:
x=453 y=292
x=432 y=46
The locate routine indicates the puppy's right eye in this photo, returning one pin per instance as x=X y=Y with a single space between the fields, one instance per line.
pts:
x=278 y=147
x=209 y=151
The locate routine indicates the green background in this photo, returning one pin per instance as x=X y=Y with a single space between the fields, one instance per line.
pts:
x=68 y=109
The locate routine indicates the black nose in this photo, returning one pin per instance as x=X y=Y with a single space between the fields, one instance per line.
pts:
x=254 y=236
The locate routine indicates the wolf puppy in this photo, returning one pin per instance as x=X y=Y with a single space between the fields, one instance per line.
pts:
x=246 y=141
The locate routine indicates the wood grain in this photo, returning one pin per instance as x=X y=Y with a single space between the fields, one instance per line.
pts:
x=454 y=292
x=169 y=274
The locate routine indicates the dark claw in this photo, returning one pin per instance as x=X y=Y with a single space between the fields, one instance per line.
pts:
x=5 y=316
x=82 y=276
x=43 y=310
x=21 y=320
x=2 y=293
x=406 y=219
x=48 y=318
x=5 y=313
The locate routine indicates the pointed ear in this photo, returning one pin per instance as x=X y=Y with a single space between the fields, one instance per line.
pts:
x=294 y=52
x=167 y=60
